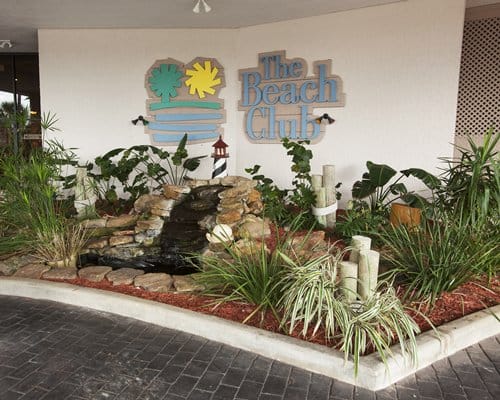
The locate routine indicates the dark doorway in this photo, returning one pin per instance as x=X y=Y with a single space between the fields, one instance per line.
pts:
x=19 y=102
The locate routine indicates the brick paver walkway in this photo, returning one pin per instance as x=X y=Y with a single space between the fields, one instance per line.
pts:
x=53 y=351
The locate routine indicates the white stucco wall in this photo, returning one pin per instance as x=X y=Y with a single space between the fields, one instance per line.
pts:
x=399 y=64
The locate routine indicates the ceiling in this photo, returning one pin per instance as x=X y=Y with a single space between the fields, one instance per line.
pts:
x=20 y=19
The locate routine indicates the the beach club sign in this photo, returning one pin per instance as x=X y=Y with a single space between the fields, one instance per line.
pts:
x=278 y=98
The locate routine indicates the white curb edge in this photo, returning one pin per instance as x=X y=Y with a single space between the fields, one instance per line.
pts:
x=372 y=374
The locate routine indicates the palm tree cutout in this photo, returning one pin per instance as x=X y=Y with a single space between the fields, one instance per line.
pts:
x=164 y=81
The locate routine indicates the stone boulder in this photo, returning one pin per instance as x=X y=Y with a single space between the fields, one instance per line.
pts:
x=143 y=203
x=120 y=240
x=123 y=276
x=229 y=217
x=175 y=192
x=154 y=282
x=94 y=274
x=186 y=283
x=122 y=221
x=32 y=271
x=255 y=229
x=98 y=243
x=7 y=269
x=152 y=223
x=61 y=273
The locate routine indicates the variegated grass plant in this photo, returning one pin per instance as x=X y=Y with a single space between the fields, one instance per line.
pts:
x=309 y=294
x=377 y=322
x=311 y=300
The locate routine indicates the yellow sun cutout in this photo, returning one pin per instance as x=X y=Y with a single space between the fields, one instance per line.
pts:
x=202 y=79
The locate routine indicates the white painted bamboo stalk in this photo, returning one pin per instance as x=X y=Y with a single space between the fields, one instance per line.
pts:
x=359 y=243
x=320 y=203
x=348 y=272
x=329 y=185
x=316 y=181
x=367 y=273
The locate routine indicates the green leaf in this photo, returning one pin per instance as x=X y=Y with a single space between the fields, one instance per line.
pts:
x=181 y=151
x=377 y=176
x=192 y=163
x=430 y=180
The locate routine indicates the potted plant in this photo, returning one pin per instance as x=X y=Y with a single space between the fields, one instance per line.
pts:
x=377 y=191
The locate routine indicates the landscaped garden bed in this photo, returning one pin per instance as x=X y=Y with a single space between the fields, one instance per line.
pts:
x=465 y=300
x=259 y=254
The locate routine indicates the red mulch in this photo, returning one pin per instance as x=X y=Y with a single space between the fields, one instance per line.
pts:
x=468 y=298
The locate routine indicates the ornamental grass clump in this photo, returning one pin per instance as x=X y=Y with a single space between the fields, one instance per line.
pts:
x=471 y=182
x=311 y=300
x=308 y=298
x=28 y=200
x=377 y=323
x=61 y=244
x=440 y=255
x=31 y=216
x=251 y=275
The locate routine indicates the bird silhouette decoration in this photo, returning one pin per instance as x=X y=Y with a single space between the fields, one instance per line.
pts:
x=324 y=118
x=141 y=119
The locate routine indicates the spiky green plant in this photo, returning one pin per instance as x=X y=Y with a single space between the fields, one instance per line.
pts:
x=309 y=294
x=251 y=275
x=310 y=298
x=378 y=322
x=28 y=205
x=440 y=255
x=62 y=242
x=471 y=183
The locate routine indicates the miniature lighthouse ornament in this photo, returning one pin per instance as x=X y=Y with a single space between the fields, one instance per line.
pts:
x=219 y=155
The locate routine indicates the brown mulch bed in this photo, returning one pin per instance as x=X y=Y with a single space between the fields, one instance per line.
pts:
x=468 y=298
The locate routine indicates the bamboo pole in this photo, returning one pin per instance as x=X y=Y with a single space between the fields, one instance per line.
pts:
x=348 y=272
x=367 y=273
x=320 y=203
x=316 y=181
x=329 y=185
x=359 y=243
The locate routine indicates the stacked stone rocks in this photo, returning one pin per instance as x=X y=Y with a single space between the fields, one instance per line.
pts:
x=128 y=236
x=30 y=268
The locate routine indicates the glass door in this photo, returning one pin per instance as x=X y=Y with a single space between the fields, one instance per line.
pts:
x=19 y=103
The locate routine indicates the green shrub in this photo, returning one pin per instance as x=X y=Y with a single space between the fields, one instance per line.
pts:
x=284 y=205
x=471 y=183
x=440 y=255
x=62 y=242
x=309 y=294
x=252 y=276
x=142 y=169
x=310 y=298
x=378 y=322
x=28 y=207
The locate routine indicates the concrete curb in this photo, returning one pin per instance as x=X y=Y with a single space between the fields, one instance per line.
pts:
x=372 y=375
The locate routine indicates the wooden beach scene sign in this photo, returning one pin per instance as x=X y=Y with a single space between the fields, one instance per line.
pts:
x=184 y=98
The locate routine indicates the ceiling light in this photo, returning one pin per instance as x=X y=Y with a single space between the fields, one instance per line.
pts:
x=7 y=43
x=206 y=7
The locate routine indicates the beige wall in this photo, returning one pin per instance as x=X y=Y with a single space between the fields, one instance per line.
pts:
x=399 y=63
